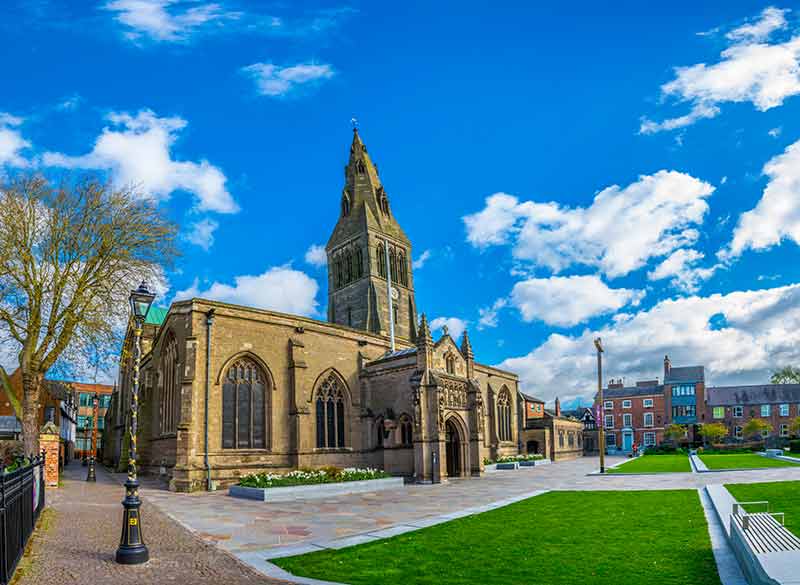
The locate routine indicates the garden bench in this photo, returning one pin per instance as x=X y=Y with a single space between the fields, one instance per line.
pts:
x=767 y=552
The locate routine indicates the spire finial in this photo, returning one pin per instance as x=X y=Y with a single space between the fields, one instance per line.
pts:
x=354 y=122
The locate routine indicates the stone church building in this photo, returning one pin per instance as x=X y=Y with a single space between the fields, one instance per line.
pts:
x=230 y=390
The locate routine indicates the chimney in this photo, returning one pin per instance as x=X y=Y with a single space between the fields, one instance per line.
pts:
x=558 y=407
x=667 y=367
x=615 y=384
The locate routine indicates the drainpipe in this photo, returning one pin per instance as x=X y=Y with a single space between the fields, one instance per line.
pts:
x=209 y=322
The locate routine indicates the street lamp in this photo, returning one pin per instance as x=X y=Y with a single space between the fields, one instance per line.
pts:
x=90 y=476
x=601 y=438
x=132 y=550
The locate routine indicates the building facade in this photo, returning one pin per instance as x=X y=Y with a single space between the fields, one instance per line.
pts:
x=90 y=421
x=734 y=406
x=633 y=415
x=550 y=432
x=283 y=392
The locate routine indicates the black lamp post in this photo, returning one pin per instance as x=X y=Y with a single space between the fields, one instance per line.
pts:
x=90 y=475
x=132 y=550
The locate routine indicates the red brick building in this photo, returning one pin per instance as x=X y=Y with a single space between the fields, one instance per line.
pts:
x=633 y=415
x=734 y=406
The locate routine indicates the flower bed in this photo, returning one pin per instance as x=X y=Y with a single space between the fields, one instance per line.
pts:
x=311 y=477
x=514 y=459
x=304 y=484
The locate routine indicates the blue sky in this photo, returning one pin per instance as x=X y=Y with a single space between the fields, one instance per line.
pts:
x=630 y=171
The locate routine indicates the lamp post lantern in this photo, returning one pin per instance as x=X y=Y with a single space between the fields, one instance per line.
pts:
x=602 y=423
x=132 y=550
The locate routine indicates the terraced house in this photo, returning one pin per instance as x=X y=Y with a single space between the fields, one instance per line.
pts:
x=231 y=390
x=734 y=406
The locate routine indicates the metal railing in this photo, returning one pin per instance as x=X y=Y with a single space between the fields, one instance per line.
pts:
x=21 y=502
x=744 y=515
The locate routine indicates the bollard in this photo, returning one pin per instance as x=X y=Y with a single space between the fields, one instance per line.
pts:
x=90 y=476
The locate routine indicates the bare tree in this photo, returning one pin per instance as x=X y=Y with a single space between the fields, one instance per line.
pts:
x=69 y=255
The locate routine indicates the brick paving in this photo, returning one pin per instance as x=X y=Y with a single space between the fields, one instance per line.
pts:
x=80 y=544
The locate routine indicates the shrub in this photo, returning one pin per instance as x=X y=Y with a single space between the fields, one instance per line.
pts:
x=10 y=450
x=794 y=446
x=664 y=449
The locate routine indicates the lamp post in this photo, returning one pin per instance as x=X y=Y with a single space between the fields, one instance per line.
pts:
x=601 y=432
x=90 y=475
x=132 y=550
x=85 y=457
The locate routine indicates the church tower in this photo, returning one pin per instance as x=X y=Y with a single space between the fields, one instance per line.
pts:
x=357 y=250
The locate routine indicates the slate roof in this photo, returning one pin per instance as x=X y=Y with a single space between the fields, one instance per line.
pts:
x=752 y=395
x=530 y=398
x=686 y=374
x=632 y=391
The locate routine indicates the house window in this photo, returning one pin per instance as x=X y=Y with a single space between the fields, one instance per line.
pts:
x=737 y=432
x=649 y=439
x=626 y=404
x=683 y=390
x=330 y=414
x=784 y=430
x=608 y=405
x=627 y=420
x=784 y=409
x=504 y=415
x=561 y=439
x=684 y=411
x=738 y=411
x=611 y=440
x=244 y=394
x=406 y=438
x=648 y=419
x=647 y=403
x=719 y=412
x=609 y=421
x=765 y=409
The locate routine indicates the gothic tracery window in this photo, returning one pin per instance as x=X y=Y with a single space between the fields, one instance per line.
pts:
x=401 y=261
x=450 y=364
x=345 y=204
x=504 y=415
x=381 y=260
x=359 y=263
x=330 y=413
x=348 y=268
x=393 y=265
x=243 y=406
x=406 y=438
x=170 y=391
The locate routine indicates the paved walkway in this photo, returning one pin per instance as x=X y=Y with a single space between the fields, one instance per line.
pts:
x=245 y=528
x=84 y=532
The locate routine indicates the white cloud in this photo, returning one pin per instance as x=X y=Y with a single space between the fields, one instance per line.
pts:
x=275 y=81
x=488 y=315
x=71 y=103
x=760 y=332
x=316 y=256
x=455 y=326
x=569 y=300
x=11 y=141
x=137 y=150
x=619 y=232
x=681 y=267
x=777 y=214
x=421 y=260
x=280 y=288
x=770 y=20
x=167 y=20
x=775 y=132
x=750 y=70
x=202 y=233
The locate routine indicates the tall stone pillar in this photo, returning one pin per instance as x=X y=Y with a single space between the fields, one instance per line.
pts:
x=49 y=441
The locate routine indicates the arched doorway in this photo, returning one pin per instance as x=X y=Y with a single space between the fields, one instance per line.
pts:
x=452 y=449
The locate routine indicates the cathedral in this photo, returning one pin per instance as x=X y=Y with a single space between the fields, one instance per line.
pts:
x=229 y=390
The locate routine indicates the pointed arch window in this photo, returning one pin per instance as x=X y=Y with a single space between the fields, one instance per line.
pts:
x=348 y=268
x=345 y=204
x=393 y=265
x=381 y=260
x=406 y=437
x=361 y=168
x=330 y=414
x=339 y=273
x=401 y=262
x=504 y=415
x=244 y=396
x=359 y=263
x=169 y=406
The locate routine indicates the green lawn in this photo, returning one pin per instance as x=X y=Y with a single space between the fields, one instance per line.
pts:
x=783 y=496
x=743 y=461
x=569 y=538
x=654 y=464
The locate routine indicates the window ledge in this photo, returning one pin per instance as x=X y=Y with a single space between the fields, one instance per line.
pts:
x=333 y=450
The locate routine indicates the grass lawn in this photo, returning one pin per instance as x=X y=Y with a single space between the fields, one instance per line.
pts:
x=654 y=464
x=782 y=496
x=743 y=461
x=567 y=538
